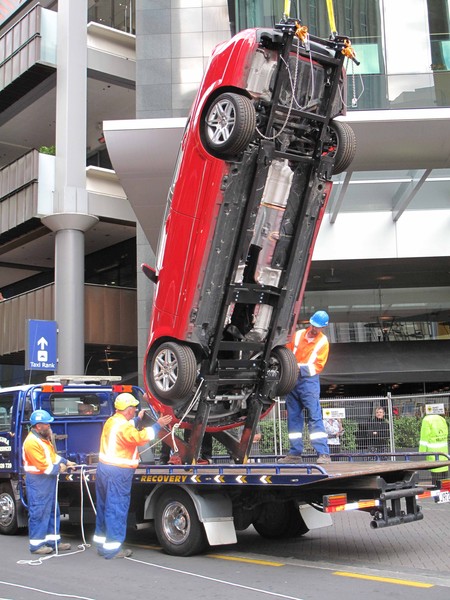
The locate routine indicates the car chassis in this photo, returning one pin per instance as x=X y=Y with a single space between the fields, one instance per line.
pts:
x=281 y=155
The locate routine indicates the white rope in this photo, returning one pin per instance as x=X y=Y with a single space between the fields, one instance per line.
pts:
x=81 y=547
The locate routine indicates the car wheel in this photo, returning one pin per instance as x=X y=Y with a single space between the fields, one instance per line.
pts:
x=285 y=362
x=8 y=511
x=229 y=125
x=343 y=139
x=177 y=526
x=171 y=373
x=277 y=521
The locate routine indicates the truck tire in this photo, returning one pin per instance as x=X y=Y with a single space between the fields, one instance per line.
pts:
x=277 y=521
x=343 y=139
x=8 y=511
x=229 y=125
x=171 y=373
x=286 y=363
x=178 y=528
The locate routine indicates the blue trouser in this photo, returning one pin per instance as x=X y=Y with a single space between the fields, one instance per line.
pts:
x=113 y=490
x=306 y=394
x=43 y=522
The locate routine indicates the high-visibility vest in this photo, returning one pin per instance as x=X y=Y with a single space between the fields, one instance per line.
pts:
x=311 y=355
x=120 y=440
x=434 y=438
x=39 y=455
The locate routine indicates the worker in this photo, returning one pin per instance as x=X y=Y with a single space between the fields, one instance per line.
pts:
x=42 y=466
x=434 y=438
x=118 y=459
x=310 y=347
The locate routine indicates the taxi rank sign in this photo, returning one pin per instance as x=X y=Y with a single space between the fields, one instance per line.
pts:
x=41 y=354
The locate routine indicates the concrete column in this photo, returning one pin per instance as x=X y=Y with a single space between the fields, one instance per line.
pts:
x=69 y=287
x=70 y=218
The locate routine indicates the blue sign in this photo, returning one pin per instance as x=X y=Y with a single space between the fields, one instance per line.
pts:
x=42 y=346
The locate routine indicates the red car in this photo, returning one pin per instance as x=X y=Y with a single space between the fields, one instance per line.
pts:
x=249 y=190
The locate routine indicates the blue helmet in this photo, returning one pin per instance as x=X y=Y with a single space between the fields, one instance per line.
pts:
x=320 y=319
x=40 y=416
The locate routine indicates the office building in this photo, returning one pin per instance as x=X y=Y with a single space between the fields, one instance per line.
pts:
x=381 y=265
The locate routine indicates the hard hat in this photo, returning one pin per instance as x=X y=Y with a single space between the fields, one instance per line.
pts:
x=319 y=319
x=40 y=416
x=125 y=400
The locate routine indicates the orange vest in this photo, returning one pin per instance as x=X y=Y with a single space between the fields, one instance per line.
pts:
x=120 y=440
x=39 y=455
x=311 y=355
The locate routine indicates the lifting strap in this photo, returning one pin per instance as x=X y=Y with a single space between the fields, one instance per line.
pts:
x=331 y=19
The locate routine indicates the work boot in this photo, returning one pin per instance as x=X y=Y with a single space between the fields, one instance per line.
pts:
x=323 y=459
x=123 y=554
x=42 y=550
x=63 y=547
x=290 y=459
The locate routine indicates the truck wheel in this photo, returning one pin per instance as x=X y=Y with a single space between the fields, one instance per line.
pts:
x=8 y=511
x=171 y=373
x=285 y=362
x=277 y=521
x=343 y=139
x=177 y=525
x=229 y=125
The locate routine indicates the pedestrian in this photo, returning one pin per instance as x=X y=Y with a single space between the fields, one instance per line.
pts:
x=373 y=434
x=334 y=430
x=42 y=466
x=310 y=347
x=118 y=459
x=434 y=438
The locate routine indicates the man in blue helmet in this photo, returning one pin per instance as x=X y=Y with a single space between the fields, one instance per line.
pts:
x=42 y=465
x=311 y=348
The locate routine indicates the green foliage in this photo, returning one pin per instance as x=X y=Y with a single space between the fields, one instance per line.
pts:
x=407 y=432
x=48 y=150
x=349 y=437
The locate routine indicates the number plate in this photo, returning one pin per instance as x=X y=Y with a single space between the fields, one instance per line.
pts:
x=444 y=497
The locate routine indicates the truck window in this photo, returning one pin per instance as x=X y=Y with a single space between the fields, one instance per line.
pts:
x=75 y=405
x=6 y=403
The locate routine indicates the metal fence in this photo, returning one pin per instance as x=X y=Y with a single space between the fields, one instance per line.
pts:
x=360 y=432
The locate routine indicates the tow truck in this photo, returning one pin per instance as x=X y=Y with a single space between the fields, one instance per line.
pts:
x=194 y=505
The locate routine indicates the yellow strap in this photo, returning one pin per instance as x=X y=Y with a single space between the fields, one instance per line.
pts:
x=287 y=7
x=331 y=16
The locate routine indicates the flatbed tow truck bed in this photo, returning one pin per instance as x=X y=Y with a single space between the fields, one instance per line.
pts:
x=278 y=499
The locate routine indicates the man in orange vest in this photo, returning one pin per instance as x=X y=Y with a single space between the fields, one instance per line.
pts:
x=118 y=459
x=42 y=466
x=310 y=347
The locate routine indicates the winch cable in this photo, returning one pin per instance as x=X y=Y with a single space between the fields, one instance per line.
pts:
x=349 y=52
x=176 y=426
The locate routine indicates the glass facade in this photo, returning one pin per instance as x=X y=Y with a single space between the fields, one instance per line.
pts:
x=118 y=14
x=403 y=46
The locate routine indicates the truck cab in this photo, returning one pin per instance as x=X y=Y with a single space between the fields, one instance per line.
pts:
x=79 y=406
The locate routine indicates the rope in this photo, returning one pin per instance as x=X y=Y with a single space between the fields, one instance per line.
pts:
x=81 y=547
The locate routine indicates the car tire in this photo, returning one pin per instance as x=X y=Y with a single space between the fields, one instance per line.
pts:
x=286 y=364
x=344 y=140
x=171 y=373
x=8 y=511
x=229 y=125
x=177 y=526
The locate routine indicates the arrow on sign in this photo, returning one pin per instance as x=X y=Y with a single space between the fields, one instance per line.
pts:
x=265 y=479
x=42 y=343
x=241 y=479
